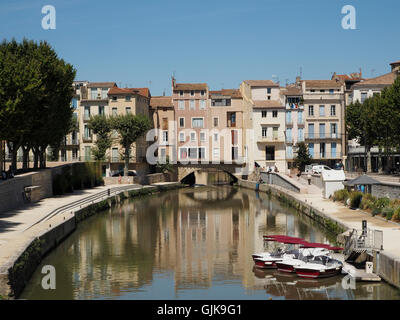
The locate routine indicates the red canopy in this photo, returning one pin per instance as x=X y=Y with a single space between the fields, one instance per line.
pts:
x=316 y=245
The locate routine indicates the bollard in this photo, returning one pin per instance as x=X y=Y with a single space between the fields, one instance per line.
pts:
x=369 y=267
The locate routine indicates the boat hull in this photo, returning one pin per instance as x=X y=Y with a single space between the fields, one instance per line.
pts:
x=265 y=265
x=283 y=267
x=315 y=273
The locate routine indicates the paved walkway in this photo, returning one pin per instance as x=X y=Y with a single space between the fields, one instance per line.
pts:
x=18 y=227
x=352 y=218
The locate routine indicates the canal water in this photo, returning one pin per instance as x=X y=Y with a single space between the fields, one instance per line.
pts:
x=193 y=243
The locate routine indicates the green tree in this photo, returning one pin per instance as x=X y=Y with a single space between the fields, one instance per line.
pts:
x=165 y=166
x=35 y=94
x=303 y=157
x=130 y=127
x=101 y=126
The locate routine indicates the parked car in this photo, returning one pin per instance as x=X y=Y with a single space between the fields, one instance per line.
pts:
x=118 y=173
x=318 y=169
x=309 y=168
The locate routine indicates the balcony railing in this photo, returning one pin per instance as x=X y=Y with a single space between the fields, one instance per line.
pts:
x=326 y=155
x=311 y=136
x=272 y=138
x=87 y=139
x=86 y=117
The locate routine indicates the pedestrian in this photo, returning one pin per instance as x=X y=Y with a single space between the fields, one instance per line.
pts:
x=119 y=179
x=309 y=178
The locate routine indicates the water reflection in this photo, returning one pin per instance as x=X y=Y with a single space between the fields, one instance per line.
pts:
x=189 y=244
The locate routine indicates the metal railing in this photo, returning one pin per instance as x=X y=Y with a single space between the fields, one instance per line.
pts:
x=78 y=204
x=368 y=241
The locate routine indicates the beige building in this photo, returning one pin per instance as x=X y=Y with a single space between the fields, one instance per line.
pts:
x=324 y=116
x=267 y=119
x=162 y=114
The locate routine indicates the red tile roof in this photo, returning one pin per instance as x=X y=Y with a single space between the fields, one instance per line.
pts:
x=190 y=86
x=322 y=84
x=161 y=101
x=384 y=80
x=261 y=83
x=233 y=93
x=101 y=84
x=263 y=104
x=141 y=91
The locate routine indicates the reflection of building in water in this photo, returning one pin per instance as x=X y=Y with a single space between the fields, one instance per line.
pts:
x=202 y=235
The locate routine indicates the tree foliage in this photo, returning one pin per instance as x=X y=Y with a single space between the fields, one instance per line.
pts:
x=101 y=126
x=303 y=157
x=130 y=127
x=35 y=95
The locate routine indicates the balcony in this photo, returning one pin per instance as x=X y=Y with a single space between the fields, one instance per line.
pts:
x=313 y=136
x=300 y=122
x=86 y=117
x=292 y=106
x=289 y=122
x=326 y=155
x=87 y=139
x=272 y=138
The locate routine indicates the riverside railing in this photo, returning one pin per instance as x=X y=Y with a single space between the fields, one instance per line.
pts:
x=78 y=204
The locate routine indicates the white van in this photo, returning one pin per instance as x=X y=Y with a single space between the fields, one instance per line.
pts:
x=318 y=169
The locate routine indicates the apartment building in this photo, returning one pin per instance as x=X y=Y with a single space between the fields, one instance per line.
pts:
x=294 y=119
x=226 y=119
x=324 y=116
x=360 y=91
x=124 y=101
x=162 y=114
x=191 y=115
x=267 y=144
x=94 y=100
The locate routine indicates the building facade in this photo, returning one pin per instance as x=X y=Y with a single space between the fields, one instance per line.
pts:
x=324 y=116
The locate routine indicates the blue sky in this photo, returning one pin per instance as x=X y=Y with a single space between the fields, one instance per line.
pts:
x=141 y=43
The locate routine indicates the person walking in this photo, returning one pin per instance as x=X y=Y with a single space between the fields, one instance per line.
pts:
x=309 y=178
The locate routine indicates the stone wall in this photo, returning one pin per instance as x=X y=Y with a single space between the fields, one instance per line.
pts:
x=12 y=190
x=389 y=190
x=280 y=181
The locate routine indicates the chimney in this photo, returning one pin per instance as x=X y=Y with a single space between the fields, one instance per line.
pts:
x=298 y=78
x=173 y=82
x=395 y=66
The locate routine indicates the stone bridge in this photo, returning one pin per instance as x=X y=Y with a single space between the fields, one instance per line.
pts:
x=185 y=169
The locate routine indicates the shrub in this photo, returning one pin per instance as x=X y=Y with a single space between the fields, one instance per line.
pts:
x=355 y=199
x=388 y=213
x=375 y=211
x=395 y=203
x=382 y=203
x=396 y=215
x=341 y=195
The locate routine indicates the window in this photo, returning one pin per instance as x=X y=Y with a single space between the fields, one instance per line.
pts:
x=183 y=153
x=269 y=97
x=181 y=137
x=215 y=137
x=202 y=136
x=202 y=153
x=311 y=110
x=275 y=133
x=181 y=122
x=193 y=136
x=322 y=111
x=235 y=153
x=322 y=90
x=289 y=117
x=114 y=112
x=101 y=110
x=263 y=114
x=333 y=150
x=234 y=136
x=269 y=90
x=197 y=122
x=311 y=130
x=192 y=153
x=128 y=110
x=128 y=98
x=181 y=93
x=331 y=91
x=192 y=105
x=364 y=96
x=215 y=121
x=74 y=103
x=264 y=131
x=87 y=133
x=334 y=130
x=104 y=93
x=163 y=153
x=274 y=114
x=192 y=93
x=311 y=149
x=300 y=135
x=269 y=153
x=202 y=104
x=114 y=98
x=231 y=119
x=202 y=92
x=164 y=124
x=289 y=135
x=165 y=136
x=322 y=150
x=93 y=92
x=322 y=130
x=300 y=117
x=181 y=105
x=333 y=110
x=87 y=113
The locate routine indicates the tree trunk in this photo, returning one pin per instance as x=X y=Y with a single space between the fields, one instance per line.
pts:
x=13 y=149
x=127 y=149
x=369 y=166
x=380 y=168
x=25 y=157
x=42 y=157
